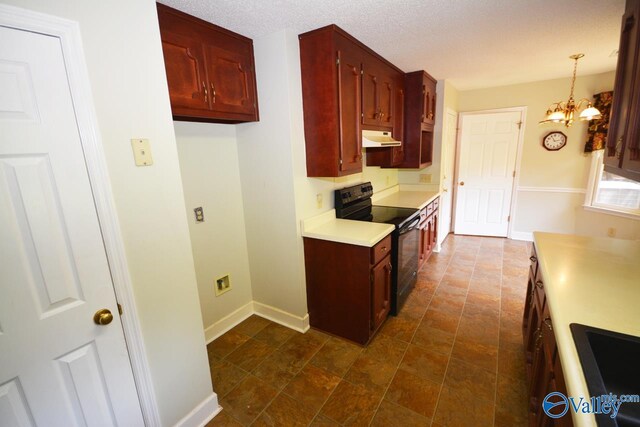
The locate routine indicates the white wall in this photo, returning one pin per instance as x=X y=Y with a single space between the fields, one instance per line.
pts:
x=126 y=70
x=551 y=184
x=211 y=178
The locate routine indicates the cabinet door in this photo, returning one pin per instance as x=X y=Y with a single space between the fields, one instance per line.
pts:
x=349 y=64
x=231 y=84
x=186 y=76
x=428 y=101
x=624 y=87
x=434 y=229
x=380 y=292
x=386 y=99
x=370 y=93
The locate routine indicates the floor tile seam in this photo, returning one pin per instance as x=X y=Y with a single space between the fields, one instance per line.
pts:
x=317 y=413
x=260 y=413
x=395 y=373
x=308 y=363
x=495 y=397
x=435 y=410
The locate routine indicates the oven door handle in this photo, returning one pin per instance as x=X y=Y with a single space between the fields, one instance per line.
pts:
x=410 y=227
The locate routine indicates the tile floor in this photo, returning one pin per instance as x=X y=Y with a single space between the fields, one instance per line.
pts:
x=453 y=357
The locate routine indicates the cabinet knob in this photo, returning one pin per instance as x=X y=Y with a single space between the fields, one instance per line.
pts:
x=206 y=93
x=533 y=259
x=539 y=284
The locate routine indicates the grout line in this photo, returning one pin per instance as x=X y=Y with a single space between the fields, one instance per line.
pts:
x=409 y=343
x=455 y=337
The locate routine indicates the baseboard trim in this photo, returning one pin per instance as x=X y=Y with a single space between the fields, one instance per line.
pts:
x=300 y=324
x=201 y=414
x=228 y=322
x=522 y=235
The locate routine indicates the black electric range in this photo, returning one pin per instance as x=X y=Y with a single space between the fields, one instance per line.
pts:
x=355 y=203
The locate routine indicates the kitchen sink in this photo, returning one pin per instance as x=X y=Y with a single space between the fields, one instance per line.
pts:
x=611 y=364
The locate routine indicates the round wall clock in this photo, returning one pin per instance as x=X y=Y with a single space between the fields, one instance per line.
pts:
x=554 y=141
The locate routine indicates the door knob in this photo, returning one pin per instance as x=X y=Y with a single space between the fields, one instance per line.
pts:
x=102 y=317
x=461 y=182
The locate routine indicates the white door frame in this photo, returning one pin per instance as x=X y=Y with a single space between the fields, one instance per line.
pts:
x=71 y=42
x=454 y=171
x=516 y=179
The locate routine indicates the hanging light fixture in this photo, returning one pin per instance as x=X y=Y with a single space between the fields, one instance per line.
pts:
x=563 y=112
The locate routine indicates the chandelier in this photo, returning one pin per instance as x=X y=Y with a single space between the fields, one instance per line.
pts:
x=563 y=112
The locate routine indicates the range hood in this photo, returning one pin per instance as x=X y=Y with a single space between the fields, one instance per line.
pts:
x=377 y=139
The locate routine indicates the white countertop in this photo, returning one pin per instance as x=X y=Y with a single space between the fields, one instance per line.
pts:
x=592 y=281
x=402 y=198
x=327 y=227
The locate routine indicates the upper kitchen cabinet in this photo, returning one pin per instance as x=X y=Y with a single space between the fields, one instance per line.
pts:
x=210 y=70
x=346 y=87
x=419 y=118
x=622 y=156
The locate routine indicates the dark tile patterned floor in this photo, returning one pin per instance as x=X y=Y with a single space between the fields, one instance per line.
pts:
x=453 y=357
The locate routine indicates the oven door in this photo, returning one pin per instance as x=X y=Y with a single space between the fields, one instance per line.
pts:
x=407 y=265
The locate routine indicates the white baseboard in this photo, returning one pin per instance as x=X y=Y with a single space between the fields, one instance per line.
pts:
x=522 y=235
x=228 y=322
x=201 y=414
x=300 y=324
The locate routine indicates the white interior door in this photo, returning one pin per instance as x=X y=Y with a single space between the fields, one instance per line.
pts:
x=448 y=164
x=57 y=367
x=487 y=161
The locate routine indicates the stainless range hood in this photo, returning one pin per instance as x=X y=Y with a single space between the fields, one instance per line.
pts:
x=377 y=139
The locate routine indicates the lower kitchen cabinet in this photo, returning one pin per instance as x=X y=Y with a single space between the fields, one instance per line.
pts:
x=428 y=231
x=542 y=361
x=348 y=287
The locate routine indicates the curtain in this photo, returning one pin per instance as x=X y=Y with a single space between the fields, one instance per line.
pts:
x=597 y=131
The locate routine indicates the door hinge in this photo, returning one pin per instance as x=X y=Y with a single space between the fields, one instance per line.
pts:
x=514 y=174
x=120 y=309
x=340 y=162
x=519 y=124
x=509 y=218
x=362 y=72
x=337 y=61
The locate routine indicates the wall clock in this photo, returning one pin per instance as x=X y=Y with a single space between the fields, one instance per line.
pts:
x=554 y=141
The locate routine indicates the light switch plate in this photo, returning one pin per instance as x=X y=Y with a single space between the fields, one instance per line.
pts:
x=141 y=152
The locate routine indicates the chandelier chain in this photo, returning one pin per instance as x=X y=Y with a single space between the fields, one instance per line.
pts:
x=573 y=80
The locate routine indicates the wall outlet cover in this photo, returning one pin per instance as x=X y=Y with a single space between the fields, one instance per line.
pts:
x=199 y=214
x=141 y=152
x=425 y=178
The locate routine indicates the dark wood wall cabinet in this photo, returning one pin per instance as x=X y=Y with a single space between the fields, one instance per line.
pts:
x=420 y=116
x=543 y=367
x=210 y=70
x=348 y=287
x=622 y=155
x=428 y=231
x=346 y=87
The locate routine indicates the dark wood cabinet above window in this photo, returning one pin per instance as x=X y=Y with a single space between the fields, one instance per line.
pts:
x=622 y=155
x=210 y=70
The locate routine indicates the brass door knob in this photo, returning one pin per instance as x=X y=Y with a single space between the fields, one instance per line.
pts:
x=102 y=317
x=461 y=182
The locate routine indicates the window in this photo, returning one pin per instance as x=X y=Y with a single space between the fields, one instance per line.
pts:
x=611 y=192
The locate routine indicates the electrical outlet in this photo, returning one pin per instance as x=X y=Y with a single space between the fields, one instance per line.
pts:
x=199 y=214
x=425 y=178
x=222 y=285
x=319 y=200
x=611 y=232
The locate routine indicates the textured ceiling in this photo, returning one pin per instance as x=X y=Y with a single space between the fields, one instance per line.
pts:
x=472 y=43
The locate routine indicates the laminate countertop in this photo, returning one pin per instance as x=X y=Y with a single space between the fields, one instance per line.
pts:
x=406 y=199
x=362 y=233
x=592 y=281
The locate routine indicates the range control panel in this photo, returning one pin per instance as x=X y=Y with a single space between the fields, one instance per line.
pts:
x=351 y=195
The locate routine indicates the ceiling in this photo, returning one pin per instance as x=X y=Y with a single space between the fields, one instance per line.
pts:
x=471 y=43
